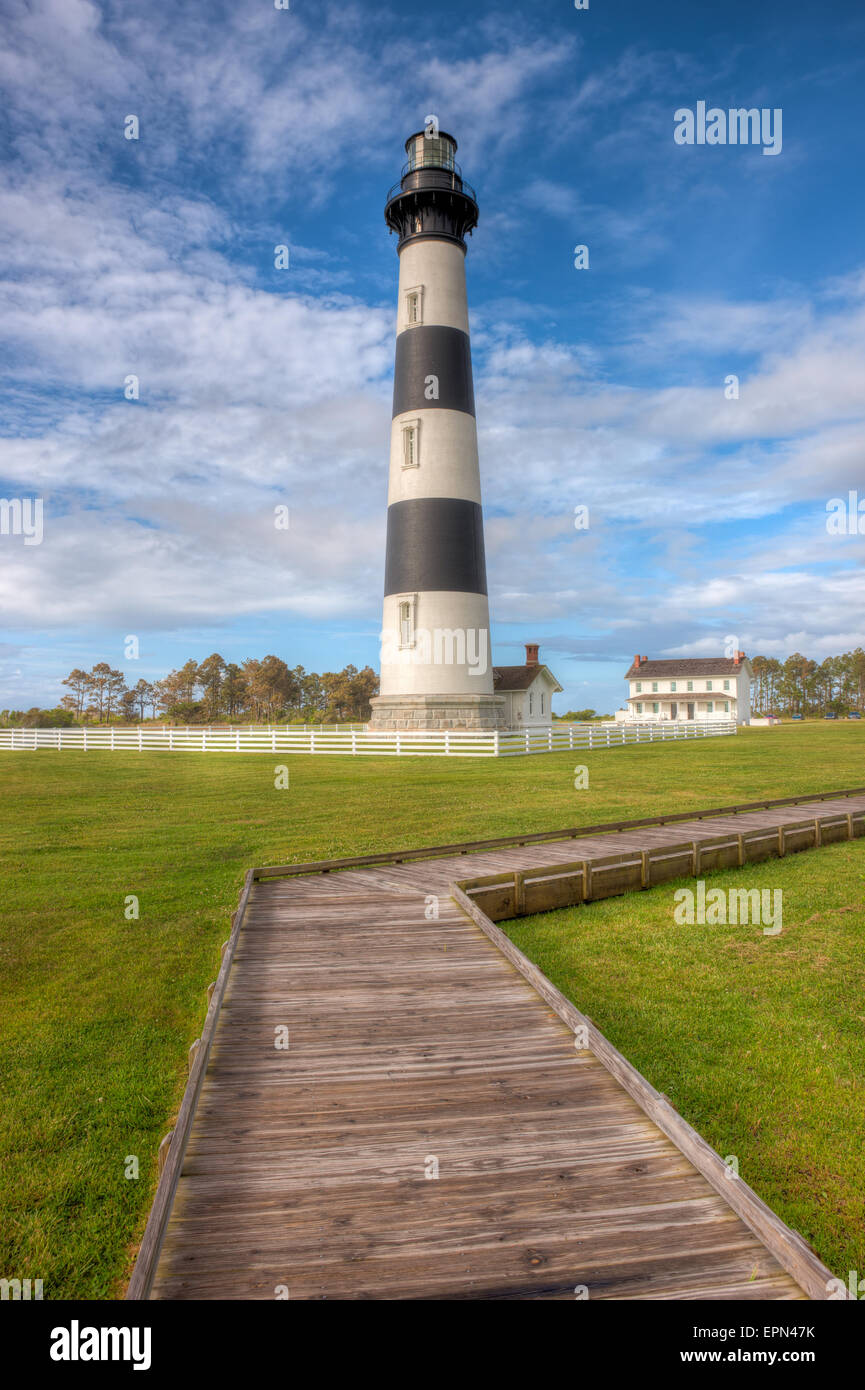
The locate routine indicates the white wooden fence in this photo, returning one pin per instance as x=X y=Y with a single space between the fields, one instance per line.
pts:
x=297 y=738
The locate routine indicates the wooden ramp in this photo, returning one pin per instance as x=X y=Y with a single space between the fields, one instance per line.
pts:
x=434 y=1129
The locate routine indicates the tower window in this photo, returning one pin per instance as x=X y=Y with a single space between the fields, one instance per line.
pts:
x=406 y=622
x=411 y=444
x=531 y=702
x=542 y=702
x=414 y=305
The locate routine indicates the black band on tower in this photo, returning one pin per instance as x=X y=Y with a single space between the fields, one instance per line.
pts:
x=435 y=544
x=431 y=350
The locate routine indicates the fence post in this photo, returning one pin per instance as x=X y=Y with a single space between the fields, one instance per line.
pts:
x=496 y=749
x=112 y=738
x=140 y=738
x=527 y=740
x=354 y=741
x=85 y=738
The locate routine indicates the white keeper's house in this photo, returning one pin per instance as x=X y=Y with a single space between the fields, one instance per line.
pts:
x=527 y=690
x=706 y=689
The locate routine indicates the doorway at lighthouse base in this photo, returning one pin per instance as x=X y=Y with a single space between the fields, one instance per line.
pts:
x=420 y=712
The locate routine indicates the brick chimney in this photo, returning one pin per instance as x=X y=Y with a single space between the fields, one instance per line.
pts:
x=532 y=654
x=637 y=662
x=739 y=657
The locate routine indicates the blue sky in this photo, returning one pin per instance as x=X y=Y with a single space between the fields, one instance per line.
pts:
x=601 y=387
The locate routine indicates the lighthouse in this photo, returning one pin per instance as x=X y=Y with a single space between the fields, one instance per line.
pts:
x=436 y=662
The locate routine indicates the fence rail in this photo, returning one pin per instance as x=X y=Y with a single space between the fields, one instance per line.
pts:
x=445 y=743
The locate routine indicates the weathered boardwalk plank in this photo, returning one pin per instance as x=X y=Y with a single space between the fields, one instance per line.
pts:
x=415 y=1047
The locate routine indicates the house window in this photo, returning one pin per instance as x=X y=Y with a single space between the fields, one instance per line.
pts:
x=414 y=306
x=542 y=702
x=654 y=686
x=690 y=685
x=726 y=706
x=710 y=708
x=672 y=685
x=639 y=709
x=531 y=702
x=655 y=707
x=406 y=622
x=411 y=444
x=726 y=685
x=708 y=685
x=639 y=687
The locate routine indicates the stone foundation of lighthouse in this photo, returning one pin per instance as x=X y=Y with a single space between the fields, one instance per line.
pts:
x=436 y=660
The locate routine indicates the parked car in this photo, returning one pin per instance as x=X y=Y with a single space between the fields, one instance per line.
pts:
x=830 y=716
x=854 y=714
x=797 y=716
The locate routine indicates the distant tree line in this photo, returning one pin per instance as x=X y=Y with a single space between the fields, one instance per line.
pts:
x=265 y=691
x=268 y=691
x=582 y=716
x=802 y=686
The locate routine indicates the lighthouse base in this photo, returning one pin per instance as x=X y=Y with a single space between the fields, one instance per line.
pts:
x=422 y=712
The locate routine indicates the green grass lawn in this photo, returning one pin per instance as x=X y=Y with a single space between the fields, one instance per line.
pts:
x=98 y=1012
x=759 y=1041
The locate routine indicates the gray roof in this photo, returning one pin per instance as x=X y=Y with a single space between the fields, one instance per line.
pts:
x=687 y=666
x=519 y=677
x=683 y=697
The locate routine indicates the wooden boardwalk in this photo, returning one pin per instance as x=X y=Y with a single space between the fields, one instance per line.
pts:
x=431 y=1131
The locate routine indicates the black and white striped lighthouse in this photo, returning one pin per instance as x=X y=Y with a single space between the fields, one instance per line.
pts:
x=436 y=666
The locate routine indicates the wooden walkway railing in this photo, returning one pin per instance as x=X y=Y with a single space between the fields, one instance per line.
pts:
x=539 y=837
x=173 y=1147
x=789 y=1249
